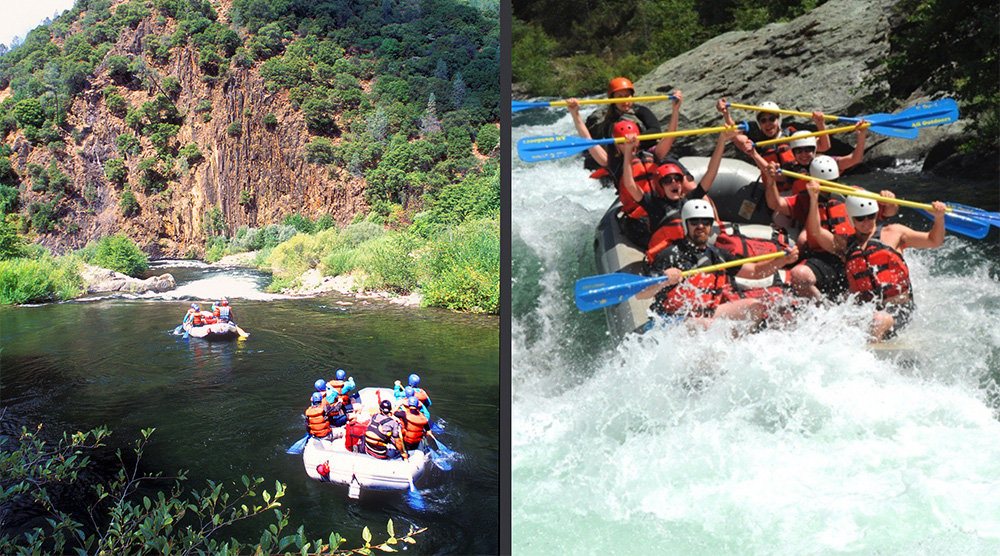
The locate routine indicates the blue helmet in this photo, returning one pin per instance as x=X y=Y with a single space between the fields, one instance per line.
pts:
x=320 y=385
x=317 y=397
x=408 y=391
x=414 y=380
x=413 y=401
x=341 y=374
x=195 y=307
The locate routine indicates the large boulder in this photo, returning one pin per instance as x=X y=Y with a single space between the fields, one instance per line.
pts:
x=103 y=280
x=819 y=61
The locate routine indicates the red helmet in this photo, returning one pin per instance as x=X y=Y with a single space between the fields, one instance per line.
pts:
x=625 y=127
x=666 y=169
x=619 y=84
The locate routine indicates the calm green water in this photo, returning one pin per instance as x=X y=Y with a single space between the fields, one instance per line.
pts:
x=222 y=410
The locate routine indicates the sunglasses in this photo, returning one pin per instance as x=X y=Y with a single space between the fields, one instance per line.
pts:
x=767 y=119
x=700 y=221
x=865 y=217
x=670 y=178
x=800 y=150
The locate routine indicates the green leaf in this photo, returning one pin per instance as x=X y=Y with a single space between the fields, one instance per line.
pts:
x=367 y=535
x=389 y=529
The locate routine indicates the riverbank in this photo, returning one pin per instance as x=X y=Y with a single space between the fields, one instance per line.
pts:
x=312 y=283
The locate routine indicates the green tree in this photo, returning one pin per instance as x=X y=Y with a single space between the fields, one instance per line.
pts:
x=119 y=253
x=29 y=112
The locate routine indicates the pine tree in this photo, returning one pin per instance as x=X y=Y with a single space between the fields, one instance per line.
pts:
x=458 y=91
x=430 y=122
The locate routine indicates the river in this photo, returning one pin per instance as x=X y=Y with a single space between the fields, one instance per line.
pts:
x=797 y=441
x=226 y=409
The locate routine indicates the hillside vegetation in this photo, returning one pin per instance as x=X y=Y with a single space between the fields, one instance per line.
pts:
x=192 y=125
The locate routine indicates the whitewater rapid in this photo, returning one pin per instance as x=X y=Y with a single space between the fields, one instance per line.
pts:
x=795 y=441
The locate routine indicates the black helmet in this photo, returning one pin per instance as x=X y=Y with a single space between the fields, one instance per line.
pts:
x=385 y=406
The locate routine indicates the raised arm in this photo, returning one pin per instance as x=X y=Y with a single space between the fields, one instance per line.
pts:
x=716 y=160
x=600 y=155
x=926 y=240
x=824 y=237
x=763 y=269
x=663 y=147
x=858 y=153
x=823 y=141
x=628 y=179
x=774 y=199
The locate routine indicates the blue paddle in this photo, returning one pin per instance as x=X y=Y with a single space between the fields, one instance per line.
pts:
x=551 y=147
x=179 y=329
x=436 y=428
x=438 y=460
x=414 y=497
x=444 y=449
x=518 y=105
x=596 y=292
x=296 y=449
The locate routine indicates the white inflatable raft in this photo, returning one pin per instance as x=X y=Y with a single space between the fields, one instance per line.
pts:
x=359 y=470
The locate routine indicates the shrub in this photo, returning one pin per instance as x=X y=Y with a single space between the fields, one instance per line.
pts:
x=320 y=150
x=25 y=280
x=487 y=139
x=299 y=222
x=11 y=244
x=462 y=267
x=191 y=153
x=235 y=129
x=389 y=265
x=120 y=253
x=128 y=203
x=128 y=144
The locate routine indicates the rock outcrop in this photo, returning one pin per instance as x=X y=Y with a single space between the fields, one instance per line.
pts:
x=253 y=177
x=819 y=61
x=102 y=280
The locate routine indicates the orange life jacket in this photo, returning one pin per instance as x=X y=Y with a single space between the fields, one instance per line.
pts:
x=700 y=294
x=318 y=425
x=197 y=319
x=876 y=272
x=414 y=423
x=668 y=230
x=644 y=174
x=422 y=396
x=337 y=386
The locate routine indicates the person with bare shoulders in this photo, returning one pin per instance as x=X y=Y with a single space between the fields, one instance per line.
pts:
x=873 y=258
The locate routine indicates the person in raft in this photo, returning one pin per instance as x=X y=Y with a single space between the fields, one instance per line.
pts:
x=600 y=124
x=611 y=160
x=873 y=258
x=382 y=438
x=404 y=393
x=317 y=423
x=222 y=311
x=340 y=390
x=706 y=296
x=415 y=424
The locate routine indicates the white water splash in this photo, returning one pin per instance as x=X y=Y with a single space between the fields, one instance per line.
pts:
x=796 y=441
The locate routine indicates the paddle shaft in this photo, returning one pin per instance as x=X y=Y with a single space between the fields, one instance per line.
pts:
x=680 y=133
x=614 y=100
x=738 y=262
x=834 y=187
x=780 y=111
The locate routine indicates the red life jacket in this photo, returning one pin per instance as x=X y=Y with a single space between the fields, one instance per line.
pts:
x=354 y=434
x=318 y=425
x=743 y=246
x=644 y=174
x=665 y=232
x=833 y=217
x=876 y=272
x=413 y=429
x=700 y=294
x=422 y=396
x=197 y=319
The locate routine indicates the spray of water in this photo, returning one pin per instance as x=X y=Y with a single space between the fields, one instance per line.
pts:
x=801 y=440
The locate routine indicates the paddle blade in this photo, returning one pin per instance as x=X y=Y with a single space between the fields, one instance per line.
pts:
x=242 y=333
x=414 y=497
x=597 y=292
x=296 y=449
x=992 y=218
x=518 y=105
x=438 y=460
x=436 y=428
x=444 y=449
x=961 y=224
x=533 y=149
x=179 y=329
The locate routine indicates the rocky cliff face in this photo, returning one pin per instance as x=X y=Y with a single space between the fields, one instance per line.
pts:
x=818 y=61
x=262 y=166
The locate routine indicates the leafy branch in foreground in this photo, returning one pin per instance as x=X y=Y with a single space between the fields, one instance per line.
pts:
x=122 y=523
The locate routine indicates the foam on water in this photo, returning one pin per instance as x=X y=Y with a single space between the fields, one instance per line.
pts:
x=794 y=441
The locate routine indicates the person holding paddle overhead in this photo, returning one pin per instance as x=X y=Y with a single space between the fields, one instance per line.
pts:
x=601 y=123
x=706 y=296
x=874 y=265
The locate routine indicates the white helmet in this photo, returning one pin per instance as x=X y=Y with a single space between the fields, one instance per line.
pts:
x=803 y=142
x=696 y=208
x=860 y=206
x=772 y=106
x=824 y=167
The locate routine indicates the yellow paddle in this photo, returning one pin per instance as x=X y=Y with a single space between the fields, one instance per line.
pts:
x=518 y=105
